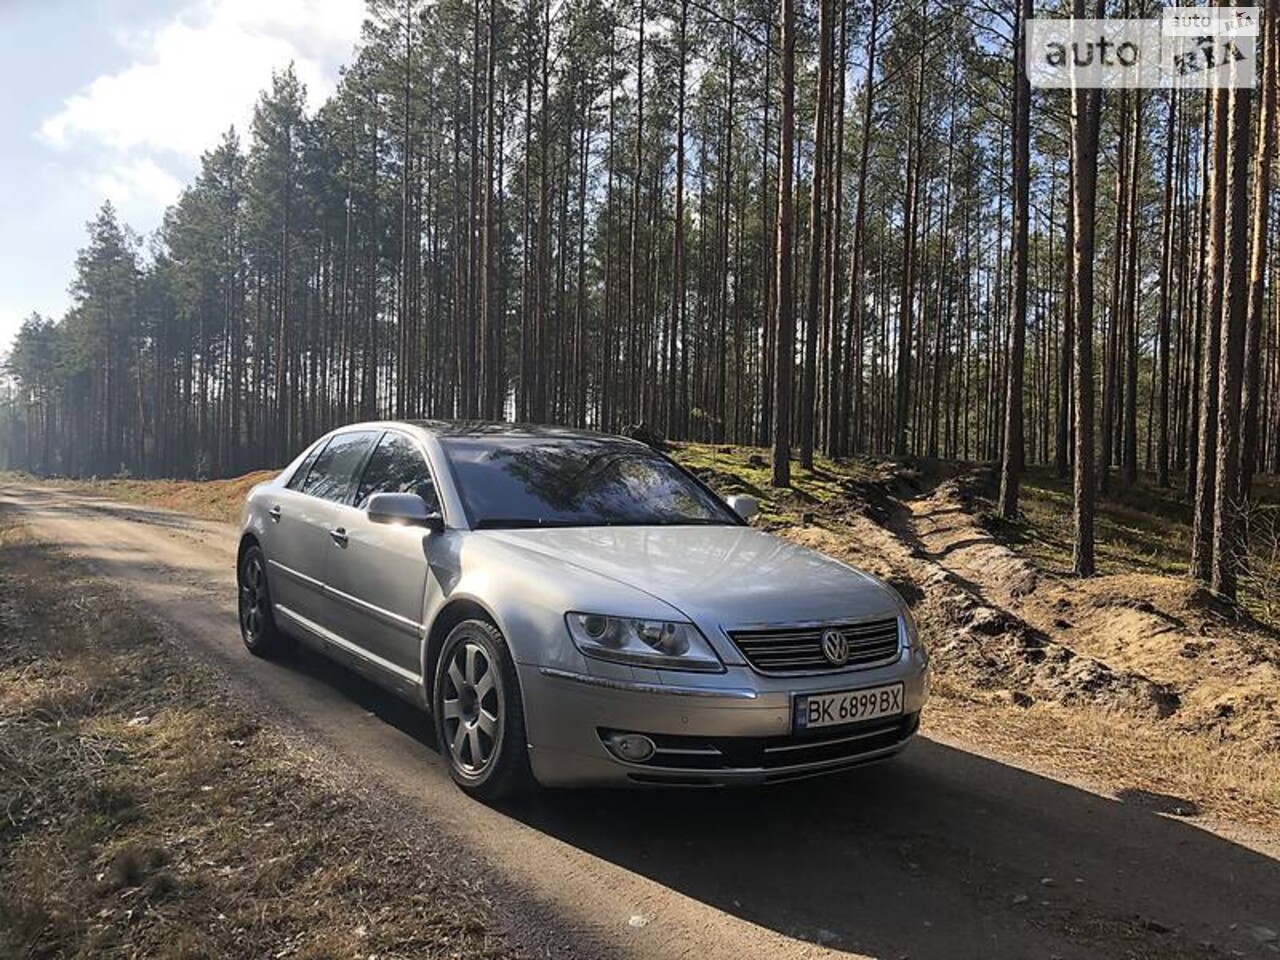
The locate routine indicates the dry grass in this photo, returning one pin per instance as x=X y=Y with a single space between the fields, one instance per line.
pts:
x=140 y=815
x=1115 y=751
x=220 y=500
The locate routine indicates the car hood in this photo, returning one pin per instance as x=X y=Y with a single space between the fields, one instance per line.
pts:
x=722 y=576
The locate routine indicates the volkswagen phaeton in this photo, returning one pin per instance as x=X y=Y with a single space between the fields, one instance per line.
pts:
x=574 y=608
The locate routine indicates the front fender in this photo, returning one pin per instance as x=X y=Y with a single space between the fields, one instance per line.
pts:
x=527 y=595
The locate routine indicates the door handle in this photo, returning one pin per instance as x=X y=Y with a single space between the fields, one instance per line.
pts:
x=274 y=513
x=339 y=536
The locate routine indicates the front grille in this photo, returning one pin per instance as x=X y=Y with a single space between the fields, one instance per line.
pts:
x=776 y=757
x=799 y=649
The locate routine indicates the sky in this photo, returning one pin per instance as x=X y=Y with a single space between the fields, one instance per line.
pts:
x=117 y=99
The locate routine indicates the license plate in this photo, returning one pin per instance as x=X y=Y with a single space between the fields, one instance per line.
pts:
x=847 y=706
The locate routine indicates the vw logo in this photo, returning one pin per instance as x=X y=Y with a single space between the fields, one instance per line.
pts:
x=835 y=647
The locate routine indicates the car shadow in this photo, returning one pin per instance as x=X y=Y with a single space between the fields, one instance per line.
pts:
x=405 y=717
x=940 y=853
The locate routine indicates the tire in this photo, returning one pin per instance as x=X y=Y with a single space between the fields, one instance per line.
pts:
x=479 y=714
x=257 y=622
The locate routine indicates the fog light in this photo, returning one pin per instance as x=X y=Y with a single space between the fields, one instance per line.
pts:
x=631 y=747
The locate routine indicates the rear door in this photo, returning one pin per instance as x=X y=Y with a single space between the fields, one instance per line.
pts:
x=304 y=529
x=292 y=571
x=378 y=581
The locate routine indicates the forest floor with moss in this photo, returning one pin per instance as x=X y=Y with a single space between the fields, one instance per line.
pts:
x=1135 y=680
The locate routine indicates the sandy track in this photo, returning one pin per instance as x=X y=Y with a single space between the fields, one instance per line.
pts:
x=942 y=854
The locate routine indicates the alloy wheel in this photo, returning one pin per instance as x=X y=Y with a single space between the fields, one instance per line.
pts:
x=472 y=708
x=253 y=599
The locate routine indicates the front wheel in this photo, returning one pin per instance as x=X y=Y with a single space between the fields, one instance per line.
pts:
x=479 y=714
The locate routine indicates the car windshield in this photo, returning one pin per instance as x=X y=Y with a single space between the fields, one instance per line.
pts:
x=522 y=481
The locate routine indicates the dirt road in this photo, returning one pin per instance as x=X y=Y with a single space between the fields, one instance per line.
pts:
x=941 y=854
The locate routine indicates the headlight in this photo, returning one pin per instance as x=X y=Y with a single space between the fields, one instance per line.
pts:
x=672 y=644
x=910 y=632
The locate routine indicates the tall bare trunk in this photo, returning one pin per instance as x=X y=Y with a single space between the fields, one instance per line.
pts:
x=1203 y=524
x=1251 y=412
x=785 y=324
x=1012 y=462
x=1227 y=508
x=1166 y=293
x=1085 y=112
x=814 y=285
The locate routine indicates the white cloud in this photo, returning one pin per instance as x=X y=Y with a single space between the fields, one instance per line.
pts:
x=135 y=135
x=137 y=181
x=201 y=71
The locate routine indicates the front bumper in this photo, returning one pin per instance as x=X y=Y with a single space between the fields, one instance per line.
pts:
x=733 y=728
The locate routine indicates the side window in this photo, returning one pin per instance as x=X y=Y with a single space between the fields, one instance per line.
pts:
x=299 y=475
x=333 y=474
x=397 y=467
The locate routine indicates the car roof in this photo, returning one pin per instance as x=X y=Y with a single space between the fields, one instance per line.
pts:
x=500 y=429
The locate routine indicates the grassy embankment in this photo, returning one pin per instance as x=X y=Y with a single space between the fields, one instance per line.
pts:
x=1222 y=760
x=1146 y=529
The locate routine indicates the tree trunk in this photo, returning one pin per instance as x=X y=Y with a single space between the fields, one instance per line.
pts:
x=1085 y=111
x=906 y=289
x=1202 y=535
x=1251 y=412
x=814 y=286
x=1166 y=283
x=785 y=325
x=1062 y=455
x=853 y=415
x=1227 y=547
x=1012 y=461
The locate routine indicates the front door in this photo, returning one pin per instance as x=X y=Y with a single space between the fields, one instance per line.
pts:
x=378 y=581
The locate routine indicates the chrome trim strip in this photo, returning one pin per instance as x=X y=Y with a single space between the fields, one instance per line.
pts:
x=835 y=741
x=689 y=751
x=391 y=619
x=828 y=671
x=783 y=625
x=297 y=575
x=724 y=693
x=331 y=637
x=903 y=651
x=801 y=770
x=793 y=771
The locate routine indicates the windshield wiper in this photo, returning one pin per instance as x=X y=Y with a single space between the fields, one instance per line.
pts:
x=523 y=523
x=534 y=523
x=670 y=522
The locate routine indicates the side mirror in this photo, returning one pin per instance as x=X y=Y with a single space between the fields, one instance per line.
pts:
x=744 y=506
x=404 y=509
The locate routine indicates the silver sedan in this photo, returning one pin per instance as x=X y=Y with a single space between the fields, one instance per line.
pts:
x=574 y=608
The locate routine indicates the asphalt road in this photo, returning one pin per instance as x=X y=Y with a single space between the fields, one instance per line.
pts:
x=942 y=853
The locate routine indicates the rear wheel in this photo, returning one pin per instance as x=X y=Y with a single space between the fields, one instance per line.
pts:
x=479 y=713
x=257 y=623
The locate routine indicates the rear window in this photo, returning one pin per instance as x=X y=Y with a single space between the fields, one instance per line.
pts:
x=333 y=474
x=299 y=475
